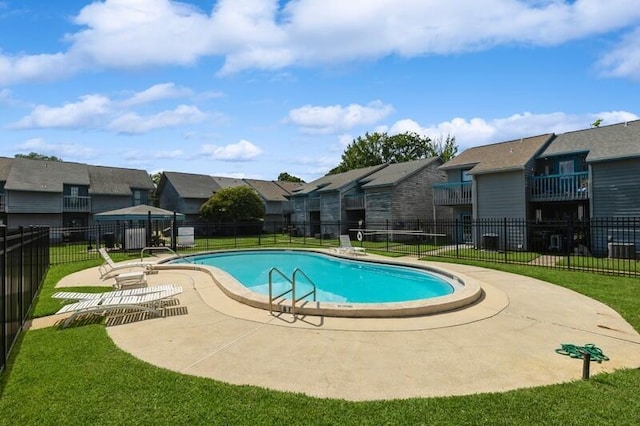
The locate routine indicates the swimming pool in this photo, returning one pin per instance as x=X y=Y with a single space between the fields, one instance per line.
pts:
x=337 y=280
x=383 y=288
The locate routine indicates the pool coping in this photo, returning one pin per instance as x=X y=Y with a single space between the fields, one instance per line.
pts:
x=470 y=291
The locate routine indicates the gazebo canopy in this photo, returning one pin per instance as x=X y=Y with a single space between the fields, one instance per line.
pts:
x=139 y=212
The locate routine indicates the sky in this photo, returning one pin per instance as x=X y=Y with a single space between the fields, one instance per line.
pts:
x=254 y=88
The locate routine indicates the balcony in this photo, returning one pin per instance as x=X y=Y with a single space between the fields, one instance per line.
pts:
x=452 y=194
x=567 y=187
x=354 y=202
x=78 y=204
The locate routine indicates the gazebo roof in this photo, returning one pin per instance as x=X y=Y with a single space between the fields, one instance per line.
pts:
x=139 y=212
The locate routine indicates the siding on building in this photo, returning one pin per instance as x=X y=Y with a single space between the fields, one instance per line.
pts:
x=42 y=219
x=33 y=202
x=378 y=202
x=502 y=195
x=615 y=190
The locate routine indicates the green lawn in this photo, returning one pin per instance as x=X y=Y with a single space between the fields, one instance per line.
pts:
x=601 y=263
x=78 y=376
x=476 y=254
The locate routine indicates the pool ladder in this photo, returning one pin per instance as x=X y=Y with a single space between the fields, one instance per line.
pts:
x=292 y=290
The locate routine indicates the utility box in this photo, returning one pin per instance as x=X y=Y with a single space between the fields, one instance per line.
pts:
x=135 y=239
x=490 y=241
x=186 y=236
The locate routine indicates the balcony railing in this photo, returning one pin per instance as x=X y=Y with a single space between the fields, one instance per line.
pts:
x=76 y=204
x=354 y=202
x=567 y=187
x=452 y=193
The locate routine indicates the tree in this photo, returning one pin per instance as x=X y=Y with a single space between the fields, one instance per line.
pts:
x=286 y=177
x=380 y=148
x=239 y=203
x=36 y=156
x=155 y=178
x=445 y=148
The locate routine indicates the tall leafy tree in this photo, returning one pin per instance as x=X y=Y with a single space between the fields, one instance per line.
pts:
x=286 y=177
x=36 y=156
x=239 y=203
x=155 y=178
x=380 y=148
x=446 y=148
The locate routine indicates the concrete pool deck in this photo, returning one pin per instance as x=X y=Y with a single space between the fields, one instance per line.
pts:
x=505 y=341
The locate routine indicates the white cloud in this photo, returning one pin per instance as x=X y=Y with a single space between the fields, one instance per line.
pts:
x=39 y=67
x=260 y=34
x=480 y=131
x=241 y=151
x=103 y=113
x=336 y=118
x=169 y=155
x=86 y=113
x=158 y=92
x=66 y=151
x=624 y=59
x=134 y=123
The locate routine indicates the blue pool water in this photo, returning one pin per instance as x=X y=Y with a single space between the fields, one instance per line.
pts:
x=336 y=279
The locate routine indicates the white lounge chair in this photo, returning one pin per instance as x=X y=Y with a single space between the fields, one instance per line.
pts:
x=148 y=302
x=347 y=248
x=75 y=295
x=110 y=268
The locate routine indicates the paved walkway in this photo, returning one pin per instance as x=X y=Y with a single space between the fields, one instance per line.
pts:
x=506 y=341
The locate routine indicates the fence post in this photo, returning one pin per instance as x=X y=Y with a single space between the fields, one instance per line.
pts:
x=504 y=230
x=387 y=233
x=174 y=233
x=3 y=294
x=21 y=276
x=456 y=236
x=569 y=241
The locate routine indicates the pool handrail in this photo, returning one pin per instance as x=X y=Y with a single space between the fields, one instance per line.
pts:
x=293 y=294
x=292 y=290
x=271 y=296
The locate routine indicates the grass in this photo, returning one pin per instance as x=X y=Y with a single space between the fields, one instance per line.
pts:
x=78 y=376
x=472 y=253
x=601 y=263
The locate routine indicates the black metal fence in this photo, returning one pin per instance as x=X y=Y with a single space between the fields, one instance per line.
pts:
x=608 y=245
x=24 y=259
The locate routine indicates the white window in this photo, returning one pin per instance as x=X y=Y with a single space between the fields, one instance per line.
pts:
x=466 y=177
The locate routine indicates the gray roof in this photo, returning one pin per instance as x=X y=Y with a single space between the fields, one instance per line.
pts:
x=227 y=182
x=5 y=167
x=190 y=185
x=117 y=181
x=289 y=187
x=337 y=181
x=504 y=156
x=45 y=175
x=602 y=143
x=397 y=172
x=268 y=190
